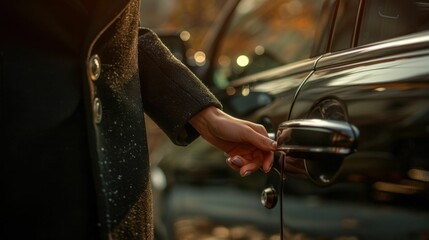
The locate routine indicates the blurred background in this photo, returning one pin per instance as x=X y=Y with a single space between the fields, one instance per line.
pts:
x=194 y=16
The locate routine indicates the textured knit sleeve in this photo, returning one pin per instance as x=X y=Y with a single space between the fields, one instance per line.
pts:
x=171 y=93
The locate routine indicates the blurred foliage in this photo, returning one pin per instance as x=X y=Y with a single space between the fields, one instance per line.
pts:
x=194 y=16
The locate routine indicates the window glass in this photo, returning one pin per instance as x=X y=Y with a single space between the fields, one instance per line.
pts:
x=265 y=34
x=342 y=36
x=384 y=19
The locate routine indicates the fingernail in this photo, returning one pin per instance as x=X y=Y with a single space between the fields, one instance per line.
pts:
x=247 y=173
x=274 y=144
x=237 y=161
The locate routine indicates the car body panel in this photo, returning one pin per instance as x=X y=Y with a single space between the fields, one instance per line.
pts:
x=384 y=89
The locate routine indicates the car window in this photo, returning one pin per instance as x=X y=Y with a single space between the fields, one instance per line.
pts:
x=265 y=34
x=344 y=28
x=384 y=19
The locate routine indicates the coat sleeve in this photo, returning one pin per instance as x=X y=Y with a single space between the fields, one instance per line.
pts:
x=171 y=93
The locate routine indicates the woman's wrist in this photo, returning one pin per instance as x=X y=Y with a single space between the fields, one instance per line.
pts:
x=202 y=118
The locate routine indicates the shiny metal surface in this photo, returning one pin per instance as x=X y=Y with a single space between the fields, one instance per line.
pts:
x=316 y=136
x=94 y=67
x=315 y=147
x=269 y=197
x=97 y=110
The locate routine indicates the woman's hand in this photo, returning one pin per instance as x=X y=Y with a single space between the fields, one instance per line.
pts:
x=247 y=144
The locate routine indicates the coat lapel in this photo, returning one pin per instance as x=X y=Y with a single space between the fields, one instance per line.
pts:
x=104 y=14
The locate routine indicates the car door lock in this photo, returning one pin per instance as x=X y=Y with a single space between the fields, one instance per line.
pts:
x=269 y=197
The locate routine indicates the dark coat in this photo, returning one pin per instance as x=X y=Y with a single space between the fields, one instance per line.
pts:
x=75 y=163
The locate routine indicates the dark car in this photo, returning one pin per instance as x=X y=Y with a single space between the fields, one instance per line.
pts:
x=343 y=85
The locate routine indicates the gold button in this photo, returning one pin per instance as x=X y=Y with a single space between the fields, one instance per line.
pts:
x=97 y=110
x=94 y=67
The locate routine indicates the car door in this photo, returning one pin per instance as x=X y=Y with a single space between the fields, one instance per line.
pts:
x=377 y=79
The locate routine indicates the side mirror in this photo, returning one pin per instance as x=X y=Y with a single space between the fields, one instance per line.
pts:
x=315 y=148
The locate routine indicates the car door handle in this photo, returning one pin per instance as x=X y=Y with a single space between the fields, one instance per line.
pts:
x=315 y=147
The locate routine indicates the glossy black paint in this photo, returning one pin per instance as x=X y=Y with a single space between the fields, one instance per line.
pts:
x=383 y=90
